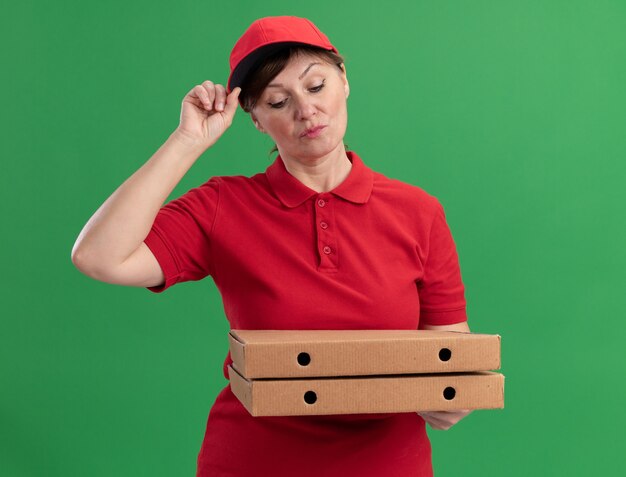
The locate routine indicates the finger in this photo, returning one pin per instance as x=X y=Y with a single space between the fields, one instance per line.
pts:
x=457 y=414
x=438 y=424
x=454 y=415
x=447 y=419
x=220 y=97
x=437 y=418
x=209 y=87
x=232 y=100
x=203 y=97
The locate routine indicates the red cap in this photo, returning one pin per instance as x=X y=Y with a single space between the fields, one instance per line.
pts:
x=266 y=36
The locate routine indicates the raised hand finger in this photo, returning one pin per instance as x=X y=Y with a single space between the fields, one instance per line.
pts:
x=232 y=100
x=209 y=89
x=199 y=93
x=220 y=97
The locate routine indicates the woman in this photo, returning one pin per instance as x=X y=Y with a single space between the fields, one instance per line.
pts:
x=317 y=241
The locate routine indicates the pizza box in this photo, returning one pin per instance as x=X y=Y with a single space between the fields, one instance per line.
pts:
x=318 y=353
x=368 y=394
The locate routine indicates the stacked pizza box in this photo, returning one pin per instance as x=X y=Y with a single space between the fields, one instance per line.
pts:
x=315 y=372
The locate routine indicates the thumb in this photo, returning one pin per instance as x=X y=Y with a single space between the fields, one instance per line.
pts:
x=232 y=100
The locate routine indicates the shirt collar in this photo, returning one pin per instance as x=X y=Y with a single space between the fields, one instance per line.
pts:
x=357 y=187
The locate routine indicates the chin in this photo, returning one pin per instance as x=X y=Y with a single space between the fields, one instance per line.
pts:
x=313 y=155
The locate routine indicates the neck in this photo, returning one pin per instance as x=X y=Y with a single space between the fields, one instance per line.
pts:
x=322 y=174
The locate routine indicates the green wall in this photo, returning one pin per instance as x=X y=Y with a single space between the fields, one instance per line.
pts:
x=512 y=113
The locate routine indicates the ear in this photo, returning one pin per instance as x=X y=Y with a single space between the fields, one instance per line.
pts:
x=344 y=77
x=256 y=122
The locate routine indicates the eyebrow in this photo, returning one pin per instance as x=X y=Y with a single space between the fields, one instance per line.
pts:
x=299 y=77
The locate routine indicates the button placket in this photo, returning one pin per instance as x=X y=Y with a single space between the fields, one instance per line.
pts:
x=326 y=239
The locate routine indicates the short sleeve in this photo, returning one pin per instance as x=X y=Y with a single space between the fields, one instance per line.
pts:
x=180 y=237
x=441 y=291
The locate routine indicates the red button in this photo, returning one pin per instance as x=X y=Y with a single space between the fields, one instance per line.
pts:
x=321 y=203
x=324 y=225
x=327 y=250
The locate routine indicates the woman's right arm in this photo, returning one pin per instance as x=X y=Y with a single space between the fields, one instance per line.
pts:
x=110 y=247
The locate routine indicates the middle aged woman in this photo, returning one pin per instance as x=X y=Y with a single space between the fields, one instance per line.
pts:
x=317 y=241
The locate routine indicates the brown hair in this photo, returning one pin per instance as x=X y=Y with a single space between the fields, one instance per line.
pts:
x=257 y=80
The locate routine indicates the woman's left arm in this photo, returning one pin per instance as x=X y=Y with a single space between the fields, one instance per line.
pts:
x=444 y=420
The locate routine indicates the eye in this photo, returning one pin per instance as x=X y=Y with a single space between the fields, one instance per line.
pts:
x=277 y=105
x=315 y=89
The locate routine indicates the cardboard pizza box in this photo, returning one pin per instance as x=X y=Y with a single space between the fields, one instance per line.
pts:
x=317 y=353
x=368 y=394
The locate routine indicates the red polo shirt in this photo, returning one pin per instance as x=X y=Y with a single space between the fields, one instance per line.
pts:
x=373 y=253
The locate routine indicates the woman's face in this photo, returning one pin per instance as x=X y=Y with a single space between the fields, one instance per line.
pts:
x=307 y=93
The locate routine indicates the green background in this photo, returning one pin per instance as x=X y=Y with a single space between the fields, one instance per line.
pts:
x=512 y=113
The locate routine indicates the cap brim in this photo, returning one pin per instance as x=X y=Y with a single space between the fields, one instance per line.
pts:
x=254 y=59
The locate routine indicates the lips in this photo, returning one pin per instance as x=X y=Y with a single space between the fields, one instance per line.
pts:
x=312 y=131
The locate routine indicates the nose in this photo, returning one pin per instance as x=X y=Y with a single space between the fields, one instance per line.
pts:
x=305 y=107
